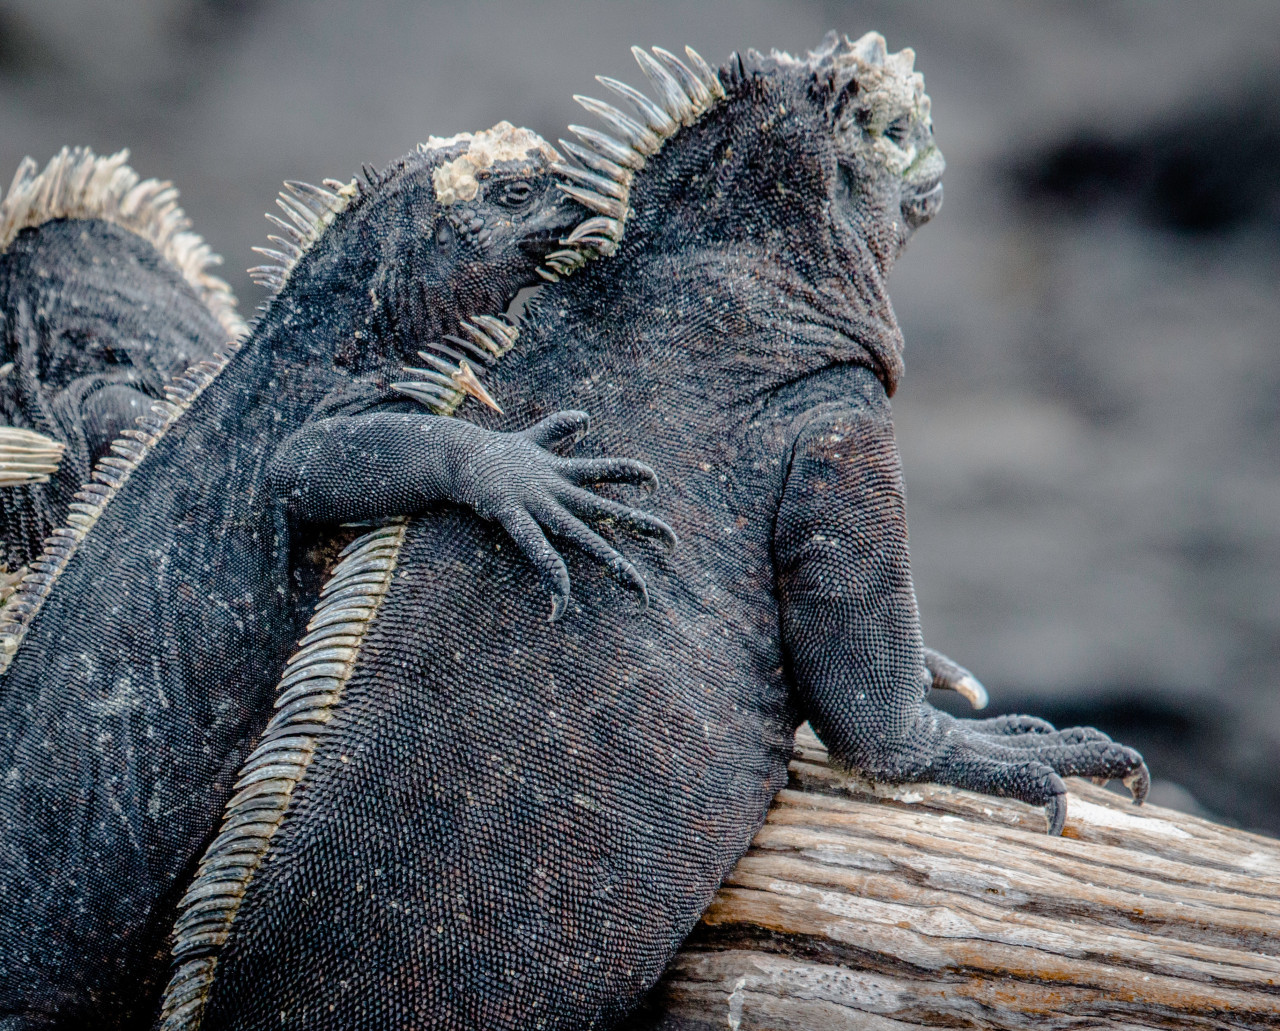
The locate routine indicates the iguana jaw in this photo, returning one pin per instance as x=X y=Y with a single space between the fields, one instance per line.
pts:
x=543 y=234
x=923 y=199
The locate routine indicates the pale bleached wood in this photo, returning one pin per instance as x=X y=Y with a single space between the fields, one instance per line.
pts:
x=871 y=908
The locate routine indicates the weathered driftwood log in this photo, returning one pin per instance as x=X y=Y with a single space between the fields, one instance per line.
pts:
x=859 y=907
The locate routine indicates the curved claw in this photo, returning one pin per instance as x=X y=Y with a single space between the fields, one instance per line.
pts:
x=972 y=691
x=1139 y=783
x=559 y=602
x=533 y=544
x=949 y=675
x=1056 y=813
x=630 y=577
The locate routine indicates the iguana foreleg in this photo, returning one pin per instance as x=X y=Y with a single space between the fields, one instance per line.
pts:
x=852 y=630
x=349 y=468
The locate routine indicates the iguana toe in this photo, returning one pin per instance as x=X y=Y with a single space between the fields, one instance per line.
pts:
x=562 y=427
x=948 y=675
x=1028 y=763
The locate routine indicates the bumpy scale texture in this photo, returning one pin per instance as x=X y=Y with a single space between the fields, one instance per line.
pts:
x=143 y=646
x=495 y=821
x=105 y=296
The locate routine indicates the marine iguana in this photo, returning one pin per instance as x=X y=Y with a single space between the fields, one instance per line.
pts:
x=105 y=296
x=153 y=627
x=462 y=816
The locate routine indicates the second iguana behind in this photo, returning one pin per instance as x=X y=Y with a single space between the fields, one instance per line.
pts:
x=143 y=645
x=105 y=296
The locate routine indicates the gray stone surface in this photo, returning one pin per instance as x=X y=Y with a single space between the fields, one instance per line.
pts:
x=1091 y=418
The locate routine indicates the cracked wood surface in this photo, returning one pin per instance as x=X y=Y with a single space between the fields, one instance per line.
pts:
x=873 y=908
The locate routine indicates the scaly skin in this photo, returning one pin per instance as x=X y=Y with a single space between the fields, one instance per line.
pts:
x=105 y=295
x=485 y=820
x=141 y=678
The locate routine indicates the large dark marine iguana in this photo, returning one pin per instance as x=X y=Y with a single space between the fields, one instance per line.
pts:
x=143 y=645
x=463 y=816
x=105 y=296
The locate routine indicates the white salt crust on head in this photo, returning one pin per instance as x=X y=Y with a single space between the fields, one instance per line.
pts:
x=456 y=180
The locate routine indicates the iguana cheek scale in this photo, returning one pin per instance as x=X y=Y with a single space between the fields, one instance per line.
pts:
x=516 y=827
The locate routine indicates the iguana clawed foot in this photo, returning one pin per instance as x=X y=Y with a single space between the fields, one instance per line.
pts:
x=1019 y=757
x=544 y=494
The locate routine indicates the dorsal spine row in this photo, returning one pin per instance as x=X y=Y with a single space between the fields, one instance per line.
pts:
x=308 y=696
x=76 y=183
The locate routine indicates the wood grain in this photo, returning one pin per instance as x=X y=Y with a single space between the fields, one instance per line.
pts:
x=873 y=908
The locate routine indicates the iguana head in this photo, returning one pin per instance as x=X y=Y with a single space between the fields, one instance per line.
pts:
x=499 y=210
x=450 y=231
x=847 y=125
x=878 y=114
x=821 y=166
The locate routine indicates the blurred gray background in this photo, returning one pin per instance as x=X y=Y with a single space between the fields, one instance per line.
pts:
x=1090 y=421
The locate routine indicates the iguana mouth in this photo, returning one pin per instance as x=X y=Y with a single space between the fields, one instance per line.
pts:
x=542 y=235
x=923 y=202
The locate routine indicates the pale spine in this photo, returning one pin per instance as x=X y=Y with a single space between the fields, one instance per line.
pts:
x=308 y=694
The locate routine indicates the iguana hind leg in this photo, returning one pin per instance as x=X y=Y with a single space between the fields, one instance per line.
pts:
x=853 y=633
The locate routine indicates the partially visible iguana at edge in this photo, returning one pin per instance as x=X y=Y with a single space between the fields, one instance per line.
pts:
x=144 y=643
x=105 y=296
x=462 y=816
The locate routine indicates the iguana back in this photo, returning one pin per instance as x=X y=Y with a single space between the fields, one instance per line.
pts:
x=105 y=296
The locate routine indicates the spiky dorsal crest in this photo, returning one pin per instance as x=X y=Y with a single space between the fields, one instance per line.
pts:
x=310 y=211
x=606 y=163
x=309 y=693
x=76 y=183
x=598 y=174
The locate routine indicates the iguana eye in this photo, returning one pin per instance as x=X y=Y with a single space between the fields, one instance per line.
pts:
x=444 y=236
x=516 y=194
x=897 y=130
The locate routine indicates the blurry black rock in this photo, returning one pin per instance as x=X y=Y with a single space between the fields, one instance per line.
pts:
x=1210 y=167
